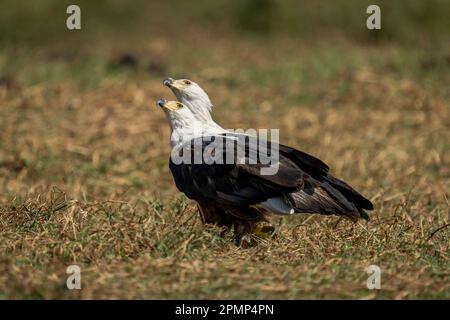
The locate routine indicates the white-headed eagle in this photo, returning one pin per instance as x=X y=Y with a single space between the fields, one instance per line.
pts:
x=235 y=194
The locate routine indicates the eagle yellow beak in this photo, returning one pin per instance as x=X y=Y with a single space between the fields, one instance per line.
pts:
x=170 y=105
x=174 y=84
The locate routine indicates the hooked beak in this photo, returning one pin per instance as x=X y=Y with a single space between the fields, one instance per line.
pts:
x=168 y=82
x=161 y=102
x=171 y=106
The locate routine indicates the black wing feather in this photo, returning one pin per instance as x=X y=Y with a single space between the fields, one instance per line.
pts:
x=301 y=179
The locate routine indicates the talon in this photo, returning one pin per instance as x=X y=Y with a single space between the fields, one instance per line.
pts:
x=264 y=230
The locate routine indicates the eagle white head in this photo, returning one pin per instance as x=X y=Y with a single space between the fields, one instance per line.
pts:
x=195 y=98
x=177 y=114
x=183 y=123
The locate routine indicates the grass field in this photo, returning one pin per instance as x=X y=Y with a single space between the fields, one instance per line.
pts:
x=83 y=149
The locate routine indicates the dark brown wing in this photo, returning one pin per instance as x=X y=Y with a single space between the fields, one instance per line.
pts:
x=318 y=171
x=302 y=180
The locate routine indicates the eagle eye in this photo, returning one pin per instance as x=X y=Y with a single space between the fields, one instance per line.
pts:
x=187 y=82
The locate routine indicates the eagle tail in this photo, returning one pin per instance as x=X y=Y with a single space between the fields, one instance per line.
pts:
x=330 y=197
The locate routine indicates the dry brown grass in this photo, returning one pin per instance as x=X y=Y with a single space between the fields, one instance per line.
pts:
x=84 y=177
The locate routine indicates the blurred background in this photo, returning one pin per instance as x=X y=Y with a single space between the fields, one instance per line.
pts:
x=406 y=22
x=158 y=32
x=83 y=149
